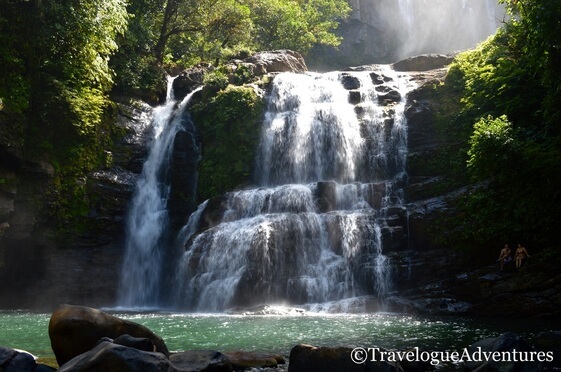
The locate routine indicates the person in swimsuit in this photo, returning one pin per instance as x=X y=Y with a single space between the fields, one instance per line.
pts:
x=520 y=254
x=504 y=256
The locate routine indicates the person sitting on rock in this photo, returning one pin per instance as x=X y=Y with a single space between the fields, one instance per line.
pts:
x=520 y=254
x=504 y=256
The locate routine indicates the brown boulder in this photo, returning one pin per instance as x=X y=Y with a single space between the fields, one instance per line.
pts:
x=241 y=360
x=423 y=62
x=307 y=358
x=276 y=61
x=74 y=330
x=200 y=360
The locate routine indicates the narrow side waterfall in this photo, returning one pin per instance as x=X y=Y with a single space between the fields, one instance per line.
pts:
x=148 y=217
x=331 y=169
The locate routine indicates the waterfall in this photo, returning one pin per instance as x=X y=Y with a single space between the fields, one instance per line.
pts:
x=444 y=26
x=331 y=169
x=147 y=218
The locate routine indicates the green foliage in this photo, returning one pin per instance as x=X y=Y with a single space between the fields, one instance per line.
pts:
x=511 y=91
x=236 y=52
x=229 y=123
x=216 y=80
x=186 y=32
x=453 y=130
x=57 y=54
x=137 y=71
x=495 y=82
x=73 y=161
x=14 y=87
x=537 y=41
x=69 y=107
x=493 y=147
x=297 y=25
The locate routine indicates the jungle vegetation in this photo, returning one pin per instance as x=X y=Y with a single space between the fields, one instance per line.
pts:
x=509 y=119
x=61 y=61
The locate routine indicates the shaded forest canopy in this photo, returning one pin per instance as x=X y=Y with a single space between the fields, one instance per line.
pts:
x=62 y=60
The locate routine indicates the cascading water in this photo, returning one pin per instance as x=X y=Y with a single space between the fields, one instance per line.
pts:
x=331 y=170
x=148 y=218
x=415 y=27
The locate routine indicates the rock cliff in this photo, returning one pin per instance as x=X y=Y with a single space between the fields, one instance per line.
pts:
x=39 y=271
x=433 y=277
x=38 y=268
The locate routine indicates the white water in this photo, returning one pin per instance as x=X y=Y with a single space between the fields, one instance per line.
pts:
x=312 y=234
x=311 y=131
x=414 y=27
x=148 y=218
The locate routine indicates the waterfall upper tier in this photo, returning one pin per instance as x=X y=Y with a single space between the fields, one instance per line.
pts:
x=331 y=170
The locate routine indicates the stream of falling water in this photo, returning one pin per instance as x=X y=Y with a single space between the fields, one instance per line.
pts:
x=331 y=165
x=148 y=218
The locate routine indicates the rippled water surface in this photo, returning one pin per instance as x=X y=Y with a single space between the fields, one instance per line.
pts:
x=279 y=333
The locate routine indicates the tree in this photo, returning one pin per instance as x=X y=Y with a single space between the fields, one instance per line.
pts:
x=183 y=19
x=187 y=32
x=493 y=148
x=81 y=36
x=535 y=27
x=225 y=25
x=59 y=53
x=297 y=25
x=511 y=91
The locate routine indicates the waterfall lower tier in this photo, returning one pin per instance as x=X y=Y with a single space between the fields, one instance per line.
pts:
x=331 y=167
x=275 y=246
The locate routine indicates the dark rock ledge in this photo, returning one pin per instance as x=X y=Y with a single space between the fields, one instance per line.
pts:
x=86 y=339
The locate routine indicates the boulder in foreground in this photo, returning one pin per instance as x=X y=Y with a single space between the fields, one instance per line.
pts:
x=74 y=330
x=108 y=356
x=16 y=361
x=200 y=360
x=241 y=360
x=307 y=358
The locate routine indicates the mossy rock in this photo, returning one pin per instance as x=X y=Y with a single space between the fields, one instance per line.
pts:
x=229 y=123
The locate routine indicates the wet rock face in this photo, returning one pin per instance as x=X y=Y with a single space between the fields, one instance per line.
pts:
x=507 y=342
x=111 y=356
x=350 y=82
x=183 y=177
x=201 y=360
x=259 y=64
x=445 y=281
x=19 y=361
x=133 y=119
x=241 y=360
x=35 y=261
x=189 y=80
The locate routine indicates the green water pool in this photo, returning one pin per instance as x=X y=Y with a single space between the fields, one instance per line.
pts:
x=279 y=333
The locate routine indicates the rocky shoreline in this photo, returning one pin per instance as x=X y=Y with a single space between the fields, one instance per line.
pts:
x=87 y=339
